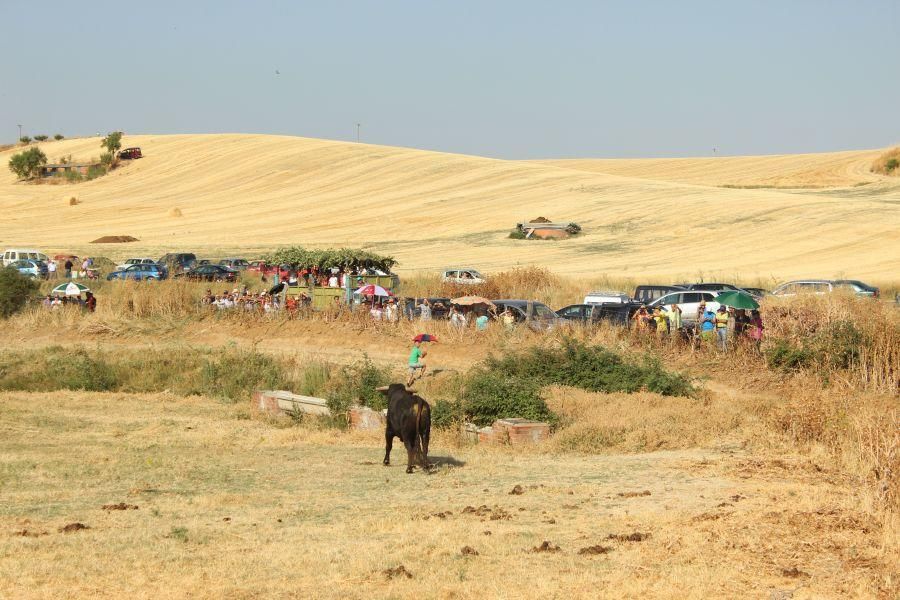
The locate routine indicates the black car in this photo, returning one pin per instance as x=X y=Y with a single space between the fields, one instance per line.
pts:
x=645 y=294
x=440 y=307
x=178 y=261
x=718 y=287
x=592 y=313
x=209 y=273
x=538 y=315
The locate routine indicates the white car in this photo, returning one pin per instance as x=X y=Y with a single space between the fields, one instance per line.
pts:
x=135 y=261
x=688 y=301
x=607 y=297
x=11 y=255
x=464 y=276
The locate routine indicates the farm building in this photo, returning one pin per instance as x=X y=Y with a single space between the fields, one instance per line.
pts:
x=55 y=170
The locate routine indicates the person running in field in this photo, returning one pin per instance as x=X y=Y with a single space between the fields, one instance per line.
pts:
x=415 y=363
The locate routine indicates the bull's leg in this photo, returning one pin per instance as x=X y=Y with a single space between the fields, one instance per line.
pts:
x=388 y=442
x=410 y=454
x=425 y=436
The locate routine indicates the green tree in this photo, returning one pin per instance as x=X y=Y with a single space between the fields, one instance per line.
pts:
x=58 y=137
x=25 y=139
x=892 y=164
x=41 y=138
x=28 y=163
x=15 y=289
x=112 y=142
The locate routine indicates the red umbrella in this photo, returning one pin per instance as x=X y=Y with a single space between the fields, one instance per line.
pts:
x=373 y=290
x=425 y=337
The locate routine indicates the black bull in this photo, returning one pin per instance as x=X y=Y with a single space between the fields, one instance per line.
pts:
x=408 y=418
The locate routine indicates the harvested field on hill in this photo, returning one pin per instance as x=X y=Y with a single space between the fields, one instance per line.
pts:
x=832 y=169
x=250 y=193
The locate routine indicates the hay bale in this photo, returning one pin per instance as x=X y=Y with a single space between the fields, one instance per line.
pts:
x=175 y=212
x=73 y=201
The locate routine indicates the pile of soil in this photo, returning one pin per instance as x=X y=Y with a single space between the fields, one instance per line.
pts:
x=115 y=239
x=540 y=220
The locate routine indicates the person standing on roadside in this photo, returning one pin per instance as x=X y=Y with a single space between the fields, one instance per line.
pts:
x=721 y=321
x=68 y=266
x=51 y=269
x=425 y=310
x=675 y=322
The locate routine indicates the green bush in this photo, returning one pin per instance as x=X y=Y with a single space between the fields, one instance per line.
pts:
x=591 y=368
x=77 y=370
x=40 y=138
x=15 y=289
x=446 y=414
x=95 y=171
x=355 y=384
x=27 y=164
x=517 y=234
x=25 y=139
x=234 y=374
x=891 y=164
x=784 y=356
x=58 y=137
x=837 y=344
x=489 y=395
x=73 y=176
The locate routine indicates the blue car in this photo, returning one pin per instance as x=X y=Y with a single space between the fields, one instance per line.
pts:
x=35 y=269
x=141 y=272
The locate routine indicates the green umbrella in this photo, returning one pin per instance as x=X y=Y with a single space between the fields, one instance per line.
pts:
x=737 y=300
x=70 y=288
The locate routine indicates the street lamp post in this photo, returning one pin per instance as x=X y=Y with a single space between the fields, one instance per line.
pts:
x=20 y=131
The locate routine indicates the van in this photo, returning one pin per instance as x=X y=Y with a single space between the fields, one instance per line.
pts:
x=13 y=254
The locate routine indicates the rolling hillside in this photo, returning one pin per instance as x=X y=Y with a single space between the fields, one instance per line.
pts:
x=249 y=193
x=791 y=171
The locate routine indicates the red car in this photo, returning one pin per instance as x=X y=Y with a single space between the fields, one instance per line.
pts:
x=130 y=153
x=263 y=268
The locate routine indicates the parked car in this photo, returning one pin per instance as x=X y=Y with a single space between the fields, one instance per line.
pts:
x=825 y=286
x=646 y=294
x=209 y=273
x=607 y=297
x=139 y=272
x=130 y=153
x=463 y=276
x=178 y=261
x=35 y=269
x=857 y=287
x=688 y=302
x=135 y=261
x=11 y=255
x=756 y=292
x=238 y=264
x=440 y=307
x=539 y=316
x=615 y=312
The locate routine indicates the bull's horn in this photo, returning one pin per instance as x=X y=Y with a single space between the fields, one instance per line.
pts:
x=410 y=390
x=382 y=388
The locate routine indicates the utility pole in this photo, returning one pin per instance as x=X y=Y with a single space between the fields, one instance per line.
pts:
x=20 y=131
x=358 y=125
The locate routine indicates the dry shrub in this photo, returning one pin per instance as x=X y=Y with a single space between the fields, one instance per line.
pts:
x=850 y=341
x=888 y=163
x=73 y=201
x=640 y=422
x=528 y=283
x=175 y=212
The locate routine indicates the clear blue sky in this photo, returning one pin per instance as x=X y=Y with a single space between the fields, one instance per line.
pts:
x=515 y=79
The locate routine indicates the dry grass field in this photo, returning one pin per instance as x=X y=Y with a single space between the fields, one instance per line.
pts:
x=229 y=506
x=249 y=193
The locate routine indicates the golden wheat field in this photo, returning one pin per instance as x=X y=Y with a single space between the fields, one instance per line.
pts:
x=667 y=218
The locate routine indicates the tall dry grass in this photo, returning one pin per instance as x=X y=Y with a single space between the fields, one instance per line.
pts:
x=881 y=163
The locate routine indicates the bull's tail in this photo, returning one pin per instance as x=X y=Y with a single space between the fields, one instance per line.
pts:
x=420 y=443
